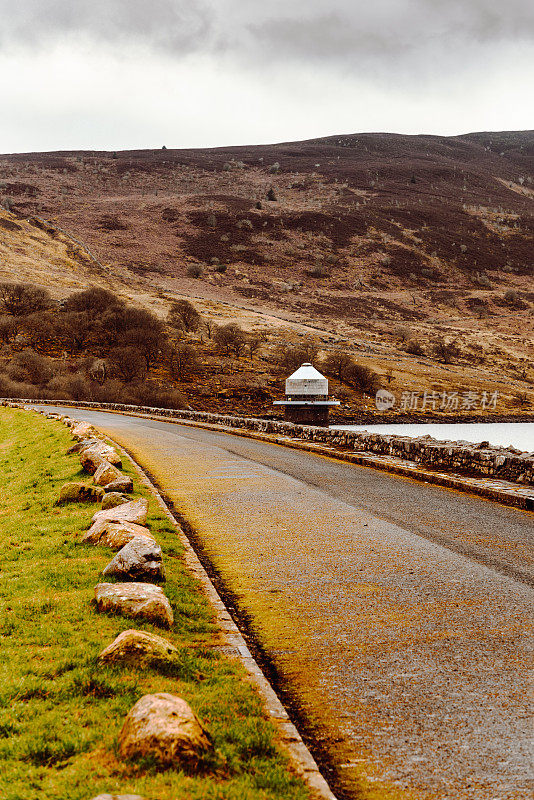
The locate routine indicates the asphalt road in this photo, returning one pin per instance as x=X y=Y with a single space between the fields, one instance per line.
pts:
x=396 y=613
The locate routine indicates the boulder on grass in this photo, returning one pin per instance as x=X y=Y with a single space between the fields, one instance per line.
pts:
x=113 y=499
x=106 y=473
x=137 y=600
x=82 y=430
x=115 y=534
x=164 y=727
x=96 y=453
x=137 y=648
x=124 y=484
x=80 y=493
x=77 y=447
x=91 y=460
x=104 y=450
x=139 y=560
x=132 y=511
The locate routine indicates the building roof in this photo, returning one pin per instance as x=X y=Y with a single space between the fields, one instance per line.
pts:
x=306 y=372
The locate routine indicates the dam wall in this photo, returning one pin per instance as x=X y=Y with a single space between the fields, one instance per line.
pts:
x=461 y=457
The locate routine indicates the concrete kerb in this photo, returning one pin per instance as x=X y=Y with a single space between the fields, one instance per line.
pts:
x=301 y=758
x=505 y=492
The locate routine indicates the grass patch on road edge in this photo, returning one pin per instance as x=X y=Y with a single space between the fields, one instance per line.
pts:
x=60 y=714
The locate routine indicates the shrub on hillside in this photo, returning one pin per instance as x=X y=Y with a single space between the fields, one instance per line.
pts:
x=127 y=363
x=183 y=361
x=184 y=316
x=12 y=388
x=230 y=339
x=30 y=367
x=511 y=297
x=8 y=328
x=445 y=351
x=94 y=301
x=363 y=378
x=317 y=272
x=337 y=365
x=414 y=348
x=23 y=298
x=288 y=358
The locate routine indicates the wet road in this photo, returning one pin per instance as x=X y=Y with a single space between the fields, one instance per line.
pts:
x=397 y=613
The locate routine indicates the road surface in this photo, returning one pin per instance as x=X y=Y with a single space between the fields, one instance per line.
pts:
x=395 y=613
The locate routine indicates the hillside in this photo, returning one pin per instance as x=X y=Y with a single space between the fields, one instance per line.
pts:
x=377 y=244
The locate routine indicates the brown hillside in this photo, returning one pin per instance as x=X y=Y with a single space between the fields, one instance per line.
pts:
x=370 y=239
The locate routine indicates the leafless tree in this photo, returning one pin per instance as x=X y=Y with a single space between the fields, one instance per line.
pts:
x=127 y=363
x=253 y=344
x=338 y=364
x=446 y=351
x=230 y=339
x=363 y=378
x=184 y=315
x=183 y=360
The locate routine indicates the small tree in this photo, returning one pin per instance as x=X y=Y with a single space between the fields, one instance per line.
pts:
x=289 y=358
x=93 y=301
x=31 y=367
x=143 y=330
x=210 y=326
x=127 y=363
x=445 y=351
x=183 y=360
x=254 y=344
x=363 y=378
x=414 y=348
x=41 y=329
x=511 y=297
x=338 y=365
x=73 y=330
x=230 y=339
x=184 y=315
x=8 y=328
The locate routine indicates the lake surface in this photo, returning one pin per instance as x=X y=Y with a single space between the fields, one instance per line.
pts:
x=517 y=434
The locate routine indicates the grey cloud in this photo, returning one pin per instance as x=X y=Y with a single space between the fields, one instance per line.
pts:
x=176 y=25
x=346 y=32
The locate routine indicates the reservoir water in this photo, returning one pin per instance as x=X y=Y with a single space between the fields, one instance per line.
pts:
x=503 y=434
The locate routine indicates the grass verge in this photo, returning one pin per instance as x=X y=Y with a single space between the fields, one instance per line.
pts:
x=60 y=713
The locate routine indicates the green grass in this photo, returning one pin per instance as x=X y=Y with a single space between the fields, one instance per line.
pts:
x=60 y=713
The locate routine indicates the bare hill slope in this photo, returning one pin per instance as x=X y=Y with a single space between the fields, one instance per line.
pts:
x=373 y=240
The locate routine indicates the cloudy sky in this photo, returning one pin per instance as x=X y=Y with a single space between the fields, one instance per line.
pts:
x=117 y=74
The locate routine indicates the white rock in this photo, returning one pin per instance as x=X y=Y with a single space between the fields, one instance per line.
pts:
x=138 y=600
x=139 y=560
x=133 y=511
x=82 y=430
x=115 y=534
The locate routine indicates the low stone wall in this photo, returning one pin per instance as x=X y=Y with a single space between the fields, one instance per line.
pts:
x=463 y=457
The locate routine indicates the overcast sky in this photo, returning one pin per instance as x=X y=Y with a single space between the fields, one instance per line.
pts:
x=118 y=74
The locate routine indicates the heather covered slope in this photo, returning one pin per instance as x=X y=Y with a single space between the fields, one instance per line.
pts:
x=374 y=241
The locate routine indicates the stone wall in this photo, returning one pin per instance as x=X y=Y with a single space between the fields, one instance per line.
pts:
x=462 y=457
